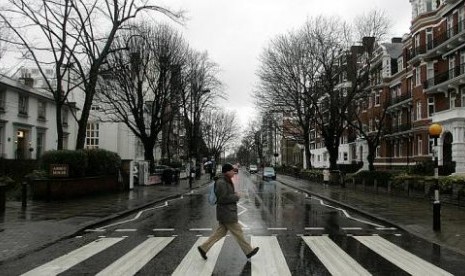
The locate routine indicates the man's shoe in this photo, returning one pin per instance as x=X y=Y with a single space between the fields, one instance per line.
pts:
x=202 y=253
x=252 y=253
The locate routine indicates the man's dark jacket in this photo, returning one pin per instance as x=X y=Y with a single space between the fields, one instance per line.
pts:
x=226 y=208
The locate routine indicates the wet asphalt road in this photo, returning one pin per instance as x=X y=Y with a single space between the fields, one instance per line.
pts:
x=266 y=208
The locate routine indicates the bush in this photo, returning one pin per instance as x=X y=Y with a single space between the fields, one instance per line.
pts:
x=372 y=175
x=76 y=160
x=102 y=162
x=89 y=162
x=423 y=168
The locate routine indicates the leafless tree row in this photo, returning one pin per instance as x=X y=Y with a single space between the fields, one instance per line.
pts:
x=102 y=52
x=298 y=78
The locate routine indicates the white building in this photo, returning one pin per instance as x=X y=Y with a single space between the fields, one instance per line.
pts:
x=28 y=122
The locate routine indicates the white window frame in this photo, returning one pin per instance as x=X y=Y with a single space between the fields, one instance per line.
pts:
x=40 y=143
x=451 y=67
x=452 y=101
x=419 y=146
x=418 y=111
x=377 y=97
x=417 y=76
x=41 y=110
x=431 y=106
x=23 y=103
x=92 y=135
x=2 y=98
x=463 y=97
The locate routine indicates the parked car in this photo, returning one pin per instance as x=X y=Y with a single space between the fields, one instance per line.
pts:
x=269 y=172
x=253 y=169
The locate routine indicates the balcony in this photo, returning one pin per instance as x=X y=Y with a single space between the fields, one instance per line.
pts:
x=397 y=129
x=449 y=115
x=446 y=41
x=442 y=81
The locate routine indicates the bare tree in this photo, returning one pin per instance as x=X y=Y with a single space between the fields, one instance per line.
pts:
x=199 y=89
x=219 y=128
x=68 y=31
x=287 y=83
x=327 y=40
x=374 y=23
x=138 y=87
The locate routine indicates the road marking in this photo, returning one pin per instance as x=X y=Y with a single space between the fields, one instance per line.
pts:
x=334 y=258
x=314 y=228
x=200 y=229
x=137 y=216
x=277 y=229
x=386 y=228
x=163 y=229
x=71 y=259
x=269 y=259
x=125 y=230
x=346 y=214
x=134 y=260
x=351 y=228
x=400 y=257
x=95 y=230
x=193 y=264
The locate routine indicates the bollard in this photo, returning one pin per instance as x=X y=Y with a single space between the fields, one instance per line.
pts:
x=2 y=196
x=24 y=193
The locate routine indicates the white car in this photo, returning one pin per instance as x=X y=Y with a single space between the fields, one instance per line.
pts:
x=269 y=172
x=253 y=169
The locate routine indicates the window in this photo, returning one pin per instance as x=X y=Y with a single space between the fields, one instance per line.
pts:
x=451 y=67
x=2 y=98
x=418 y=113
x=346 y=156
x=429 y=38
x=462 y=62
x=92 y=135
x=430 y=70
x=430 y=106
x=41 y=110
x=463 y=96
x=452 y=102
x=378 y=151
x=450 y=26
x=40 y=142
x=419 y=145
x=429 y=5
x=22 y=104
x=417 y=76
x=377 y=96
x=395 y=150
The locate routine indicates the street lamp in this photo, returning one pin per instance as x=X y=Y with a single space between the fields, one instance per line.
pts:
x=434 y=132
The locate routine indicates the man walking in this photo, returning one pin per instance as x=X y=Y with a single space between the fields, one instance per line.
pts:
x=226 y=214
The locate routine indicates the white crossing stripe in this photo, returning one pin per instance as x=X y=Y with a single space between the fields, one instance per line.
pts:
x=334 y=258
x=400 y=257
x=314 y=228
x=194 y=264
x=135 y=259
x=269 y=259
x=71 y=259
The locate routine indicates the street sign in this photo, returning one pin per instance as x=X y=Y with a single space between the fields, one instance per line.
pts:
x=59 y=170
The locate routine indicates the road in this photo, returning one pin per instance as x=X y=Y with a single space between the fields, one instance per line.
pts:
x=297 y=234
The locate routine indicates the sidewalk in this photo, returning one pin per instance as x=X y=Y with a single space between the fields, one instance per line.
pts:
x=410 y=214
x=43 y=223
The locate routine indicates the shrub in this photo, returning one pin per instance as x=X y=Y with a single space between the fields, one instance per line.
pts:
x=89 y=162
x=102 y=162
x=372 y=175
x=76 y=160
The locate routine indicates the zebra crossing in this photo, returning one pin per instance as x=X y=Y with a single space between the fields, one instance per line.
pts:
x=269 y=261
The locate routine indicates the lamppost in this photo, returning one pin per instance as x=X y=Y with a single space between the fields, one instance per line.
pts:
x=434 y=132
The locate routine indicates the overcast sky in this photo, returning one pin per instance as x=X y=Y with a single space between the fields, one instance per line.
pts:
x=235 y=32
